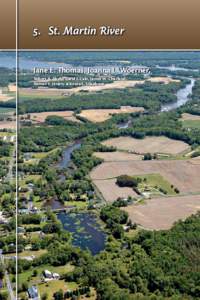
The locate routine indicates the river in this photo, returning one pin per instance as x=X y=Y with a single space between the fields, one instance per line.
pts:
x=66 y=156
x=173 y=68
x=182 y=97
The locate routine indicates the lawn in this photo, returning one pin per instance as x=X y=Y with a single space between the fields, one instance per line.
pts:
x=33 y=178
x=30 y=252
x=53 y=286
x=191 y=124
x=77 y=204
x=27 y=276
x=4 y=110
x=155 y=183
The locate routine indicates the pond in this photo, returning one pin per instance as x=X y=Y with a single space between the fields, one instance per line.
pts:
x=86 y=232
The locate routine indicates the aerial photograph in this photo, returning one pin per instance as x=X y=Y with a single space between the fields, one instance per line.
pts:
x=108 y=172
x=7 y=176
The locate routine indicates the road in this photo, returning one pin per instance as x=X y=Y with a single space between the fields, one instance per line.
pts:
x=8 y=283
x=10 y=167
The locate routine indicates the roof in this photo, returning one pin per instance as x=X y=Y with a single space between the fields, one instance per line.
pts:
x=33 y=292
x=47 y=272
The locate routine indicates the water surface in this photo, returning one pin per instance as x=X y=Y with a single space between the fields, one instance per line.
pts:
x=86 y=232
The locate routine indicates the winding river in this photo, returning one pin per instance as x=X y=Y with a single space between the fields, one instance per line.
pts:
x=182 y=97
x=66 y=156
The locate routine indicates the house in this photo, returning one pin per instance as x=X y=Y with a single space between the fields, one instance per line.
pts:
x=51 y=276
x=56 y=276
x=47 y=274
x=33 y=293
x=34 y=210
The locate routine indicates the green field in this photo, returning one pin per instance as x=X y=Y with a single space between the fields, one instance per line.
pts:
x=155 y=184
x=28 y=275
x=4 y=110
x=49 y=287
x=191 y=124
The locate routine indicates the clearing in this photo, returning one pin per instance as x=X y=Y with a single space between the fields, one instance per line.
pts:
x=182 y=174
x=8 y=125
x=161 y=213
x=187 y=116
x=111 y=191
x=117 y=156
x=101 y=115
x=40 y=117
x=154 y=144
x=190 y=121
x=121 y=84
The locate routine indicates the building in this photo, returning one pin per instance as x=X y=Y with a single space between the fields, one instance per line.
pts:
x=33 y=293
x=50 y=275
x=56 y=276
x=47 y=274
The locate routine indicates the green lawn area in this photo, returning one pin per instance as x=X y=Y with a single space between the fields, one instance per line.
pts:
x=53 y=286
x=154 y=184
x=191 y=124
x=24 y=96
x=4 y=110
x=27 y=275
x=78 y=204
x=30 y=252
x=34 y=178
x=37 y=202
x=39 y=155
x=5 y=133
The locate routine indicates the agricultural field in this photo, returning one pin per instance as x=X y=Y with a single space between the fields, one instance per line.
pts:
x=41 y=92
x=182 y=174
x=40 y=117
x=101 y=115
x=190 y=121
x=8 y=125
x=110 y=191
x=5 y=97
x=161 y=213
x=121 y=84
x=190 y=117
x=117 y=156
x=159 y=144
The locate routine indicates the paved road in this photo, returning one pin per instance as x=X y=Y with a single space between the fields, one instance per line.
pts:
x=10 y=168
x=8 y=283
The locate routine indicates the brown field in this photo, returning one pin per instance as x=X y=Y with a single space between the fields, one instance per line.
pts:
x=161 y=213
x=149 y=144
x=12 y=88
x=165 y=80
x=42 y=92
x=5 y=97
x=190 y=117
x=121 y=84
x=101 y=115
x=117 y=156
x=183 y=174
x=8 y=125
x=40 y=117
x=110 y=191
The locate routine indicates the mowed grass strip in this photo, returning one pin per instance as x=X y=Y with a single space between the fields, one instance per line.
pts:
x=191 y=124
